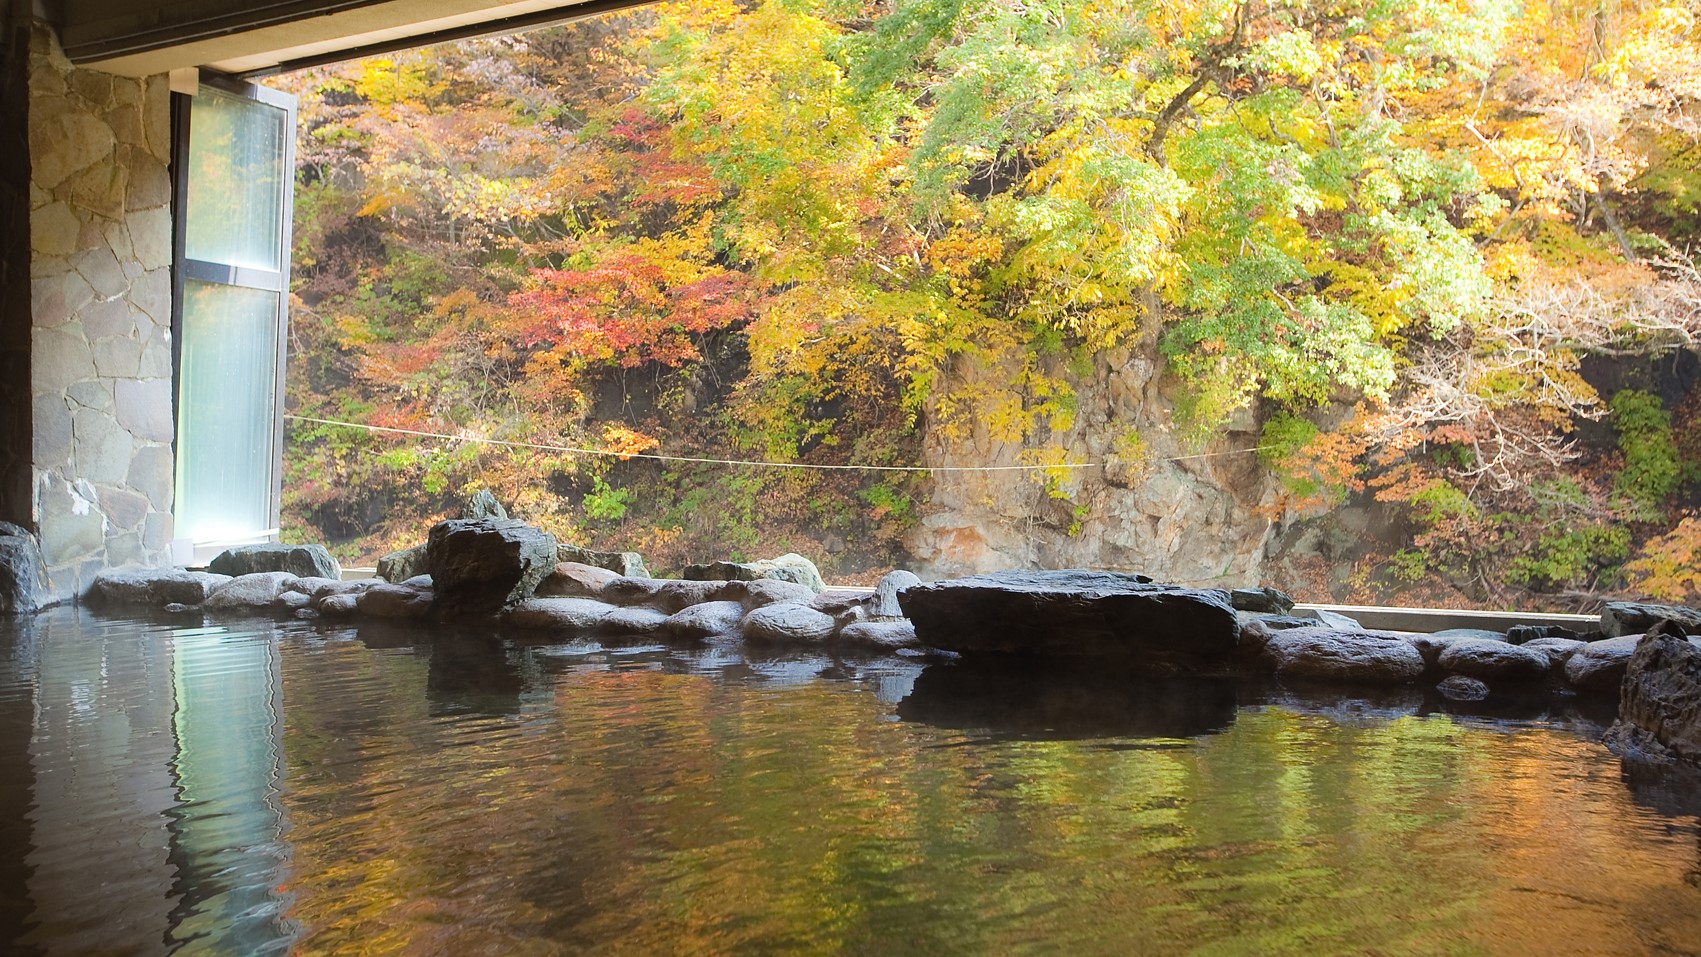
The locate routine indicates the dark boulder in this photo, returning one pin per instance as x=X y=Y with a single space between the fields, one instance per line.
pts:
x=24 y=589
x=1600 y=665
x=485 y=565
x=1345 y=656
x=1659 y=711
x=483 y=504
x=302 y=561
x=1267 y=600
x=1496 y=661
x=1519 y=634
x=1621 y=618
x=1071 y=614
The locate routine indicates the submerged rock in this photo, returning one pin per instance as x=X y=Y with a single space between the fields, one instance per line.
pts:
x=1659 y=713
x=789 y=567
x=302 y=561
x=1071 y=614
x=1344 y=655
x=1462 y=688
x=1600 y=665
x=1496 y=661
x=1621 y=618
x=484 y=565
x=1266 y=600
x=154 y=586
x=629 y=564
x=787 y=623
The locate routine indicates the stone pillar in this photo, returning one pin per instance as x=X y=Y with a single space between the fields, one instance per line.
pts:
x=100 y=301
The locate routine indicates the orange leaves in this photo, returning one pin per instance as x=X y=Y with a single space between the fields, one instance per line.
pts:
x=627 y=442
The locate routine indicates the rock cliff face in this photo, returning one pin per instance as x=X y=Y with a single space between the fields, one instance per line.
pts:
x=1171 y=512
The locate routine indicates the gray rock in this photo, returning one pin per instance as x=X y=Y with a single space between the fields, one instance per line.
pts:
x=885 y=603
x=705 y=620
x=353 y=587
x=309 y=584
x=154 y=586
x=418 y=581
x=1600 y=665
x=1523 y=634
x=844 y=605
x=1334 y=619
x=573 y=615
x=883 y=633
x=575 y=580
x=388 y=600
x=248 y=593
x=770 y=591
x=1344 y=655
x=1271 y=601
x=1494 y=660
x=302 y=561
x=1558 y=651
x=483 y=565
x=1620 y=618
x=1462 y=688
x=1071 y=614
x=289 y=600
x=24 y=588
x=338 y=606
x=483 y=504
x=1274 y=622
x=789 y=567
x=787 y=623
x=677 y=594
x=631 y=591
x=402 y=565
x=636 y=620
x=1659 y=713
x=629 y=564
x=1483 y=633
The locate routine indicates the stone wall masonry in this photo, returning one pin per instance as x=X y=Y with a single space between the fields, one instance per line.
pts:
x=100 y=302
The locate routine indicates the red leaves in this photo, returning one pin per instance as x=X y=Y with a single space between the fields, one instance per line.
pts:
x=625 y=309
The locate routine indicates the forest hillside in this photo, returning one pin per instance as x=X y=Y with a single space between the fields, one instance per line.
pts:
x=1381 y=301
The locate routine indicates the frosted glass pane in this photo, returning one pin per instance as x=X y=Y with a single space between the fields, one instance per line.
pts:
x=236 y=168
x=227 y=400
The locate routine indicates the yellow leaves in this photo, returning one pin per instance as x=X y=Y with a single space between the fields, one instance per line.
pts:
x=626 y=442
x=1669 y=568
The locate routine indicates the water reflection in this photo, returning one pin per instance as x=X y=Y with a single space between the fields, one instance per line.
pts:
x=239 y=788
x=1060 y=702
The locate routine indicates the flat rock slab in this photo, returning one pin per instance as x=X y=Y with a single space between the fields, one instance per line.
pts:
x=1344 y=655
x=303 y=561
x=1620 y=618
x=485 y=565
x=154 y=586
x=1071 y=614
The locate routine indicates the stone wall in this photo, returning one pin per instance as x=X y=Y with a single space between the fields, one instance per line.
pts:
x=100 y=291
x=1167 y=512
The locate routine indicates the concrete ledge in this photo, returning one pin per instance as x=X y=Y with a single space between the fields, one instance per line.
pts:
x=1440 y=619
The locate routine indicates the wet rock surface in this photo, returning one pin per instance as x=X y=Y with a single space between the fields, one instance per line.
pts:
x=484 y=565
x=1071 y=614
x=24 y=588
x=1659 y=713
x=1621 y=618
x=1496 y=662
x=1345 y=656
x=788 y=567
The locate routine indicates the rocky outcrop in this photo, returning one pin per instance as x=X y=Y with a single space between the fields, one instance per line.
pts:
x=1659 y=711
x=788 y=567
x=485 y=565
x=1071 y=614
x=1621 y=618
x=302 y=561
x=483 y=504
x=1156 y=504
x=399 y=566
